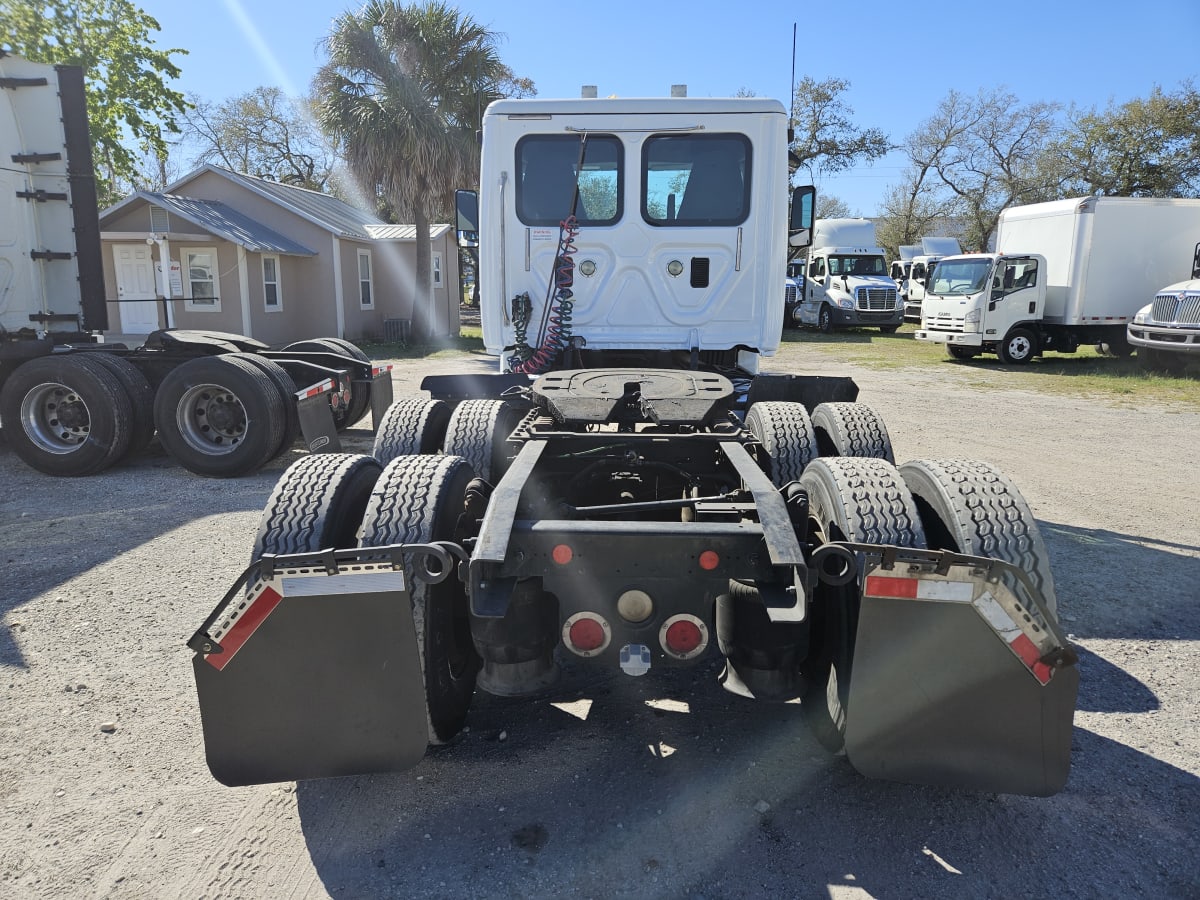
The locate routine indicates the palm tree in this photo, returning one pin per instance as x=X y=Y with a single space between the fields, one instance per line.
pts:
x=401 y=94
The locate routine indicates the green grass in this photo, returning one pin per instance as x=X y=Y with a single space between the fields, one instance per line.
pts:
x=1084 y=373
x=469 y=342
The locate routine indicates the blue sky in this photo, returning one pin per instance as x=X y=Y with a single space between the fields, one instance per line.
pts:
x=899 y=69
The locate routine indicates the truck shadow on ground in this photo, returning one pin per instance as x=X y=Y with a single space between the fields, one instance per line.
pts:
x=81 y=523
x=722 y=797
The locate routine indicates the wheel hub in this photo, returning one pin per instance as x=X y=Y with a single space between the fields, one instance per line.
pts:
x=211 y=419
x=55 y=418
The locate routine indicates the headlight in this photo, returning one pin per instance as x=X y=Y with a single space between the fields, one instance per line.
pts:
x=972 y=318
x=846 y=303
x=1142 y=315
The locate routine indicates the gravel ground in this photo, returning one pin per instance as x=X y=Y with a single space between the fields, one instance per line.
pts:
x=660 y=786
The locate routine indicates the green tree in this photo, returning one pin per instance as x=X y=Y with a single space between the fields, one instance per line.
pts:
x=826 y=140
x=1143 y=148
x=130 y=105
x=263 y=133
x=987 y=153
x=402 y=95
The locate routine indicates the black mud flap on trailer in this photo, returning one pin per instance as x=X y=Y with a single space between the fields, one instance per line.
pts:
x=314 y=671
x=959 y=678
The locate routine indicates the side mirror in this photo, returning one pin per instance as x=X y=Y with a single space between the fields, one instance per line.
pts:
x=466 y=206
x=800 y=221
x=1196 y=263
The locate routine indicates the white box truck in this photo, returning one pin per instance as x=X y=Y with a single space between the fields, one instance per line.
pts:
x=930 y=251
x=1065 y=273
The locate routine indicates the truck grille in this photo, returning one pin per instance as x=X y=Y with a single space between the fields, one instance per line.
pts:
x=789 y=293
x=1183 y=309
x=877 y=299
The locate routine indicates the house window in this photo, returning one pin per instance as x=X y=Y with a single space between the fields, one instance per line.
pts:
x=272 y=299
x=201 y=280
x=437 y=270
x=366 y=294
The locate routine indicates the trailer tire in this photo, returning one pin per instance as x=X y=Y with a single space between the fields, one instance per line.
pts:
x=862 y=500
x=419 y=499
x=360 y=395
x=851 y=429
x=141 y=399
x=238 y=399
x=317 y=504
x=66 y=414
x=1018 y=347
x=786 y=434
x=477 y=431
x=971 y=507
x=287 y=389
x=411 y=427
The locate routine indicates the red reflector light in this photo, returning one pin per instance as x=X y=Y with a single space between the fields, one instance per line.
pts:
x=586 y=634
x=683 y=636
x=709 y=560
x=562 y=554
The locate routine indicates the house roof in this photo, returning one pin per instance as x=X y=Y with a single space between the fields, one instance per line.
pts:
x=324 y=211
x=403 y=232
x=224 y=221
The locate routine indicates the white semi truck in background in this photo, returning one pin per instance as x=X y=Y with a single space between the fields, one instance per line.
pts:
x=1166 y=332
x=847 y=282
x=221 y=404
x=917 y=269
x=1066 y=273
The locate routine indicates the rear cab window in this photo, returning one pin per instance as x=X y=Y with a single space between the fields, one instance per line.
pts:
x=550 y=168
x=696 y=180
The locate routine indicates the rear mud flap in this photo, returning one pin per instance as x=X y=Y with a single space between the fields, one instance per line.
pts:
x=313 y=673
x=959 y=678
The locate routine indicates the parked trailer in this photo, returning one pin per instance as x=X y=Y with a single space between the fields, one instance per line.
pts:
x=631 y=491
x=221 y=404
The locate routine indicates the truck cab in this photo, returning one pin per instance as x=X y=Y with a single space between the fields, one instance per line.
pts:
x=1166 y=332
x=986 y=301
x=930 y=250
x=848 y=282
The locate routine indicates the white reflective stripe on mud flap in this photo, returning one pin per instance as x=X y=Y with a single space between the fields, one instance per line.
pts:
x=349 y=583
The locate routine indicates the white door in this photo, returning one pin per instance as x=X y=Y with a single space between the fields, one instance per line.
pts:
x=135 y=282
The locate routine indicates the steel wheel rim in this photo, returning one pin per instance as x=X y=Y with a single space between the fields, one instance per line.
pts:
x=1019 y=347
x=211 y=419
x=55 y=418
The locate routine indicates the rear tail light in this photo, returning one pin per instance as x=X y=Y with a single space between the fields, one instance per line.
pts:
x=586 y=634
x=683 y=636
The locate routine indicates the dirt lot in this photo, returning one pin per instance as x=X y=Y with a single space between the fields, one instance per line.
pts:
x=660 y=786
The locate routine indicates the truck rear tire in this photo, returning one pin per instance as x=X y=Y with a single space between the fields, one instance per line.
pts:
x=786 y=434
x=141 y=399
x=862 y=500
x=360 y=395
x=287 y=389
x=1018 y=347
x=971 y=507
x=219 y=416
x=851 y=429
x=66 y=414
x=317 y=504
x=477 y=431
x=419 y=499
x=410 y=427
